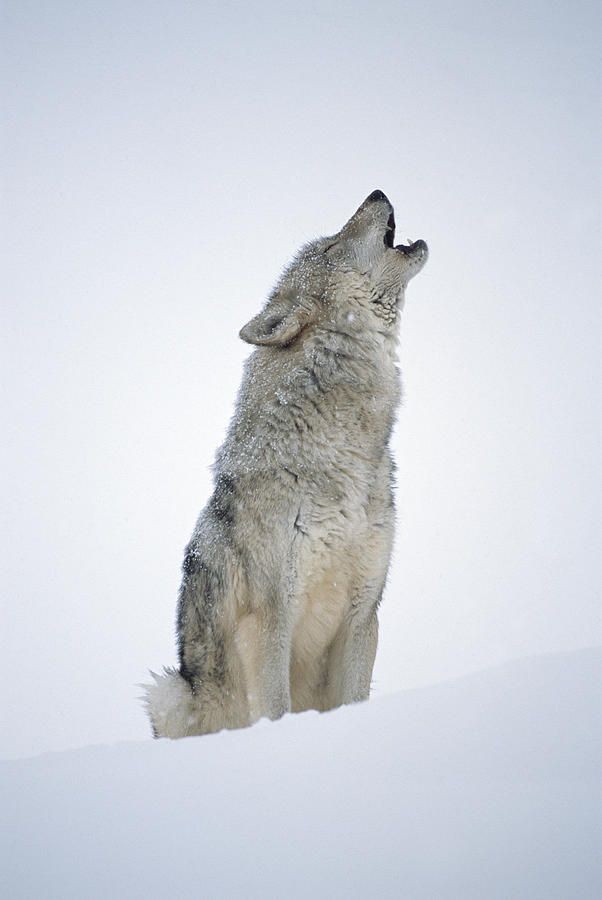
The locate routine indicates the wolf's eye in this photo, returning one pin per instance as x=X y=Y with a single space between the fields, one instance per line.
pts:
x=329 y=247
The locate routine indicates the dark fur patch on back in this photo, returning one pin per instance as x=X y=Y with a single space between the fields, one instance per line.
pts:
x=186 y=673
x=200 y=645
x=223 y=500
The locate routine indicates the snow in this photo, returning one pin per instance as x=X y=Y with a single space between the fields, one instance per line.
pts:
x=483 y=787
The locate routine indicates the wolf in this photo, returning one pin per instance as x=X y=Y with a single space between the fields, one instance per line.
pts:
x=285 y=570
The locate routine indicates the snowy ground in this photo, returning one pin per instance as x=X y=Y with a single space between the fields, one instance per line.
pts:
x=484 y=787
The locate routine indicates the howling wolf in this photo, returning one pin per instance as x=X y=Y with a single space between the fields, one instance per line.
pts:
x=285 y=570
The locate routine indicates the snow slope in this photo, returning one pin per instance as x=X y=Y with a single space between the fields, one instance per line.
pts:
x=484 y=787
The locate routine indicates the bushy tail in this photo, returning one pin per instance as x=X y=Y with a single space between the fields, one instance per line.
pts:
x=176 y=712
x=170 y=705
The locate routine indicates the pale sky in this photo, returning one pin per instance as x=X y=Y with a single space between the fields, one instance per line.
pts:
x=162 y=161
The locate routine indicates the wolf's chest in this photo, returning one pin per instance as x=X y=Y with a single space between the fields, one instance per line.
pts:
x=328 y=534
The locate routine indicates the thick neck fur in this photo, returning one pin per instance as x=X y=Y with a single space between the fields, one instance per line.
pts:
x=326 y=400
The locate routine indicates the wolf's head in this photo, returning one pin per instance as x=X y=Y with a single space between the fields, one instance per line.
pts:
x=356 y=275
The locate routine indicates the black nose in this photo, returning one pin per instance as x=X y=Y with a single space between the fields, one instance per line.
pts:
x=377 y=195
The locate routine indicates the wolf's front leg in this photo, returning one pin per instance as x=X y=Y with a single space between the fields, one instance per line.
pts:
x=263 y=645
x=353 y=651
x=275 y=643
x=352 y=657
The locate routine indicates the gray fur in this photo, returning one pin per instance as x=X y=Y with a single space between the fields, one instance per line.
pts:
x=285 y=570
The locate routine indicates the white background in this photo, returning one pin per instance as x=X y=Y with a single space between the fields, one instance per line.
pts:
x=162 y=162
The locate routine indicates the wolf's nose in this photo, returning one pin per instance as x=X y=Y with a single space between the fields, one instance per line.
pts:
x=377 y=195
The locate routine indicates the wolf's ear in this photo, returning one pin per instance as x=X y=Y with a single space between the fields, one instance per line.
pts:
x=277 y=325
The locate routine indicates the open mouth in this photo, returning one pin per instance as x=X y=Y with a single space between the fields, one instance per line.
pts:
x=390 y=232
x=389 y=239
